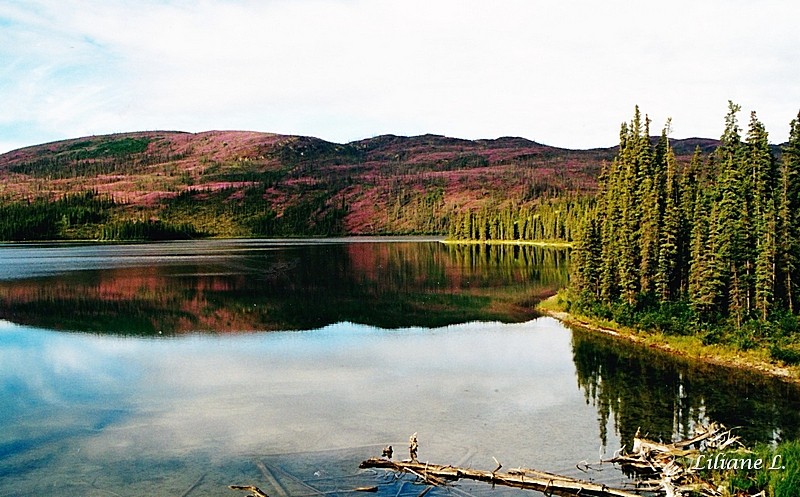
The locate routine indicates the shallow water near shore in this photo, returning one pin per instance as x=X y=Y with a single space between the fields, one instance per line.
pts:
x=163 y=382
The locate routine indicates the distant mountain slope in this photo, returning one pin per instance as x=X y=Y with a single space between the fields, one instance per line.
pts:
x=241 y=183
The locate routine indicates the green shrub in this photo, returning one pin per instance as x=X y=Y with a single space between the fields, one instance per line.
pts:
x=670 y=318
x=712 y=335
x=786 y=354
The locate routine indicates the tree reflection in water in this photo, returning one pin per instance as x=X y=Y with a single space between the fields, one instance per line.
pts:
x=286 y=287
x=666 y=396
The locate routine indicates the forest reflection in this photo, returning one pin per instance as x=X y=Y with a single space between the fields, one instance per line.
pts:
x=638 y=387
x=302 y=286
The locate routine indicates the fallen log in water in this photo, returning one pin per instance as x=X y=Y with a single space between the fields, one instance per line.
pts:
x=666 y=464
x=530 y=479
x=257 y=492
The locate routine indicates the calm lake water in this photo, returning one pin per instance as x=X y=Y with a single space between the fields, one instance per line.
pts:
x=177 y=369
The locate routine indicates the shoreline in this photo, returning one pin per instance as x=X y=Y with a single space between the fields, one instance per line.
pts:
x=537 y=243
x=355 y=238
x=342 y=238
x=685 y=347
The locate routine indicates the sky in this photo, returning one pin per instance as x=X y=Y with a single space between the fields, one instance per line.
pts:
x=565 y=73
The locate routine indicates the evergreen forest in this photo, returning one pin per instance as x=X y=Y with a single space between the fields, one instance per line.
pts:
x=548 y=220
x=708 y=248
x=85 y=215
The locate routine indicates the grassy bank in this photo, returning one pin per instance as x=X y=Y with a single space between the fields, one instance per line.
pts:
x=778 y=473
x=687 y=346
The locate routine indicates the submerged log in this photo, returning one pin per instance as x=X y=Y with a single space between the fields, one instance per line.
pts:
x=530 y=479
x=256 y=492
x=270 y=477
x=194 y=486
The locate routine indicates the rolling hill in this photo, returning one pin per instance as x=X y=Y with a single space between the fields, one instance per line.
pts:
x=241 y=183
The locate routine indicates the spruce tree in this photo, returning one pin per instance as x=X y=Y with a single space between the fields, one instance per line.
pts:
x=729 y=238
x=650 y=195
x=688 y=186
x=586 y=259
x=789 y=220
x=668 y=274
x=764 y=178
x=609 y=219
x=706 y=284
x=634 y=161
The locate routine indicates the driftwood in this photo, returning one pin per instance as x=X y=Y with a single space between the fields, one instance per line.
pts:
x=664 y=464
x=256 y=492
x=665 y=469
x=530 y=479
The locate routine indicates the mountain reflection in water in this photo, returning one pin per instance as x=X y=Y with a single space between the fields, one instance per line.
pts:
x=263 y=286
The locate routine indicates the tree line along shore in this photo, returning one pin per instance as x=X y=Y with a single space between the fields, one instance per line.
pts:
x=709 y=249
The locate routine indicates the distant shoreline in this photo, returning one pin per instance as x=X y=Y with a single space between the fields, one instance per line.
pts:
x=538 y=243
x=329 y=239
x=353 y=238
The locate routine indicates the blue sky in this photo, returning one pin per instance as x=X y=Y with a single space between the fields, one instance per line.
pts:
x=564 y=73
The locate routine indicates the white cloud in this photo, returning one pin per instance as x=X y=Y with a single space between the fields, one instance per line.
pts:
x=563 y=73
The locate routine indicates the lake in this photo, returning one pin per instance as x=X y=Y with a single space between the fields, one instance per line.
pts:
x=180 y=368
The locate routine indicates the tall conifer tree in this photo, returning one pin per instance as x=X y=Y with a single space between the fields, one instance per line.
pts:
x=668 y=274
x=730 y=237
x=789 y=219
x=651 y=206
x=764 y=179
x=689 y=186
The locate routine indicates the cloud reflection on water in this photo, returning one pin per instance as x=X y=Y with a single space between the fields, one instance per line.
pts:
x=341 y=386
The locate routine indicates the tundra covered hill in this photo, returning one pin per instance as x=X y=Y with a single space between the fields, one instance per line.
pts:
x=240 y=183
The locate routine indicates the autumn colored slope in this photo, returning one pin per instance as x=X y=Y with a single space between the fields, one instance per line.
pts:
x=239 y=183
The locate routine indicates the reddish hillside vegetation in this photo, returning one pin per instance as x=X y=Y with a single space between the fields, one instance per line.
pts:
x=239 y=183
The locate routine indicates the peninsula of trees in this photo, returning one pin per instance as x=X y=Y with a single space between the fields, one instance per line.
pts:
x=705 y=247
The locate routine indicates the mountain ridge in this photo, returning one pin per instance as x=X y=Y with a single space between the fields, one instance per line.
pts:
x=248 y=183
x=681 y=143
